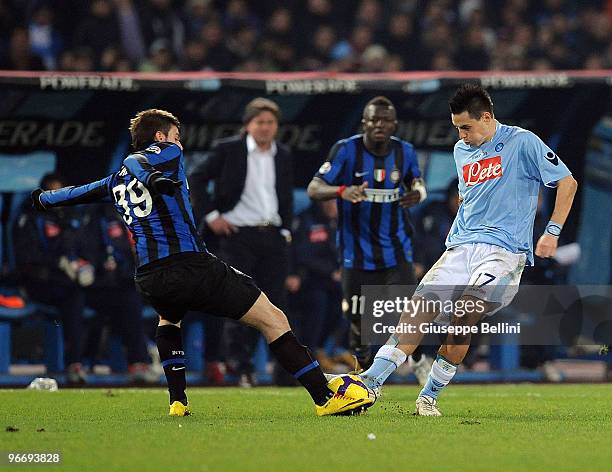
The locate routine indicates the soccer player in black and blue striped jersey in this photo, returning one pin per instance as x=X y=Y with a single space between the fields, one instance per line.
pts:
x=175 y=273
x=374 y=176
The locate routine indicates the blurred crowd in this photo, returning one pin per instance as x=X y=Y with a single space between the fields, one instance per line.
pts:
x=304 y=35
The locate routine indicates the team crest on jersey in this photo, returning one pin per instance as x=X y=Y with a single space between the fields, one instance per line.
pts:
x=499 y=147
x=325 y=168
x=154 y=149
x=379 y=175
x=395 y=176
x=480 y=171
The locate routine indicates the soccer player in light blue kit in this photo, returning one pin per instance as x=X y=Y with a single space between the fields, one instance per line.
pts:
x=500 y=170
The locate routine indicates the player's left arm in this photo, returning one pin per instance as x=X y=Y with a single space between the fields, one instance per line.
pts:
x=545 y=165
x=413 y=182
x=139 y=166
x=73 y=195
x=547 y=244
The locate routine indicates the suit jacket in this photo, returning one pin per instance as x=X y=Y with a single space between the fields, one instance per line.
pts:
x=226 y=165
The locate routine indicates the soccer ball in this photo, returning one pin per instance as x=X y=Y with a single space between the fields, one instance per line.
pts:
x=349 y=385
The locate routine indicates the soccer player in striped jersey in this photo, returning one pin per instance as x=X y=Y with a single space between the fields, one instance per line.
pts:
x=500 y=169
x=374 y=176
x=175 y=273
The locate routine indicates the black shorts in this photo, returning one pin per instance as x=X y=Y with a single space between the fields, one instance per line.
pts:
x=195 y=281
x=353 y=279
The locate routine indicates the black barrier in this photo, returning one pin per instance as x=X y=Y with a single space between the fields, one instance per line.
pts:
x=83 y=118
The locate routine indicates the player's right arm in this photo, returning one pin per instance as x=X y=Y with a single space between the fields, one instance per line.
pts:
x=73 y=195
x=328 y=181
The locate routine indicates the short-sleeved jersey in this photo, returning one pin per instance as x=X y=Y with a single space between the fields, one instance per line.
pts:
x=161 y=225
x=499 y=182
x=373 y=234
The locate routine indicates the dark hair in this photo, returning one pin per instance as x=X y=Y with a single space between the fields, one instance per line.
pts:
x=148 y=122
x=379 y=101
x=48 y=178
x=472 y=98
x=257 y=106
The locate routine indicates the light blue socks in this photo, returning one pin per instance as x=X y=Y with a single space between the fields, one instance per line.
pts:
x=442 y=371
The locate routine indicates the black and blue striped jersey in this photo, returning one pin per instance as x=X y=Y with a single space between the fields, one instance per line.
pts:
x=373 y=234
x=161 y=225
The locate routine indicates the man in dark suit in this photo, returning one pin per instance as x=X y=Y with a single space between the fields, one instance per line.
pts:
x=250 y=211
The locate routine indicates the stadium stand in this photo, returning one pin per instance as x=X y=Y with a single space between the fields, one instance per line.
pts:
x=237 y=35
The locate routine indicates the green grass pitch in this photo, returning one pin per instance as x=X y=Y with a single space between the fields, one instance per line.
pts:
x=485 y=427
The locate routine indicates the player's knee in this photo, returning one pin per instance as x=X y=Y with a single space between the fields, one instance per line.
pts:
x=278 y=320
x=266 y=317
x=454 y=353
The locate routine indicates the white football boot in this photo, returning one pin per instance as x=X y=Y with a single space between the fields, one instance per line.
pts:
x=426 y=406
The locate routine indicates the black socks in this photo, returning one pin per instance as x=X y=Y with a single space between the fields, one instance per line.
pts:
x=170 y=346
x=417 y=354
x=296 y=359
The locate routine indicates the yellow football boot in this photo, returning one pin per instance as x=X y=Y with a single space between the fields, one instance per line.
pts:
x=351 y=397
x=178 y=409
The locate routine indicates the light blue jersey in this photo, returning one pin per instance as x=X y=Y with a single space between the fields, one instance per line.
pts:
x=499 y=183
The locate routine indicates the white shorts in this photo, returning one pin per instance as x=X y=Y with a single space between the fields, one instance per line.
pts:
x=484 y=271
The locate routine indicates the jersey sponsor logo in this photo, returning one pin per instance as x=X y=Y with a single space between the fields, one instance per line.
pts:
x=552 y=158
x=481 y=171
x=379 y=175
x=325 y=168
x=376 y=195
x=499 y=147
x=154 y=149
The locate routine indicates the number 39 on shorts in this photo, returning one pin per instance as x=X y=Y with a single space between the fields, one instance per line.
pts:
x=134 y=195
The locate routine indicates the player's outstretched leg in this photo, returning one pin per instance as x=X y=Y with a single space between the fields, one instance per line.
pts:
x=297 y=360
x=395 y=352
x=170 y=346
x=450 y=355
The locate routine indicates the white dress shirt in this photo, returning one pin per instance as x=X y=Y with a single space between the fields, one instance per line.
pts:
x=258 y=203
